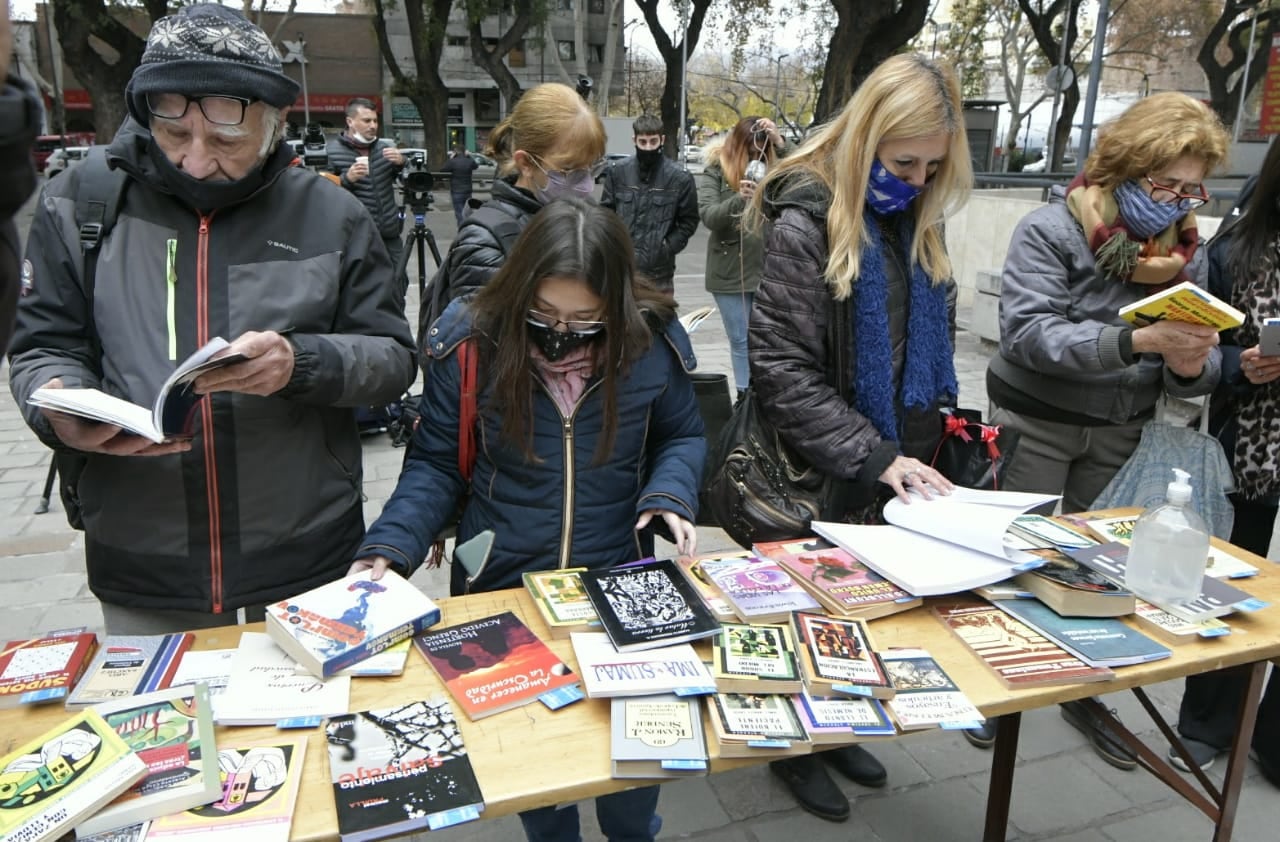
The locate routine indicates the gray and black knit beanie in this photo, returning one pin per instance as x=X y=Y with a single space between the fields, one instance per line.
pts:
x=209 y=49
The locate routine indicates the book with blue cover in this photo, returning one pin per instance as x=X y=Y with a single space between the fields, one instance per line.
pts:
x=1098 y=641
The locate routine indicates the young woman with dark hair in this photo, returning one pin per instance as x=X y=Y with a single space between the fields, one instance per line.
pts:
x=588 y=430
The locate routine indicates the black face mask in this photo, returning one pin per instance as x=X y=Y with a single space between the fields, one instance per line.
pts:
x=555 y=344
x=204 y=195
x=648 y=158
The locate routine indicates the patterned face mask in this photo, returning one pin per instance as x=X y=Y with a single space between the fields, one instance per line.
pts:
x=1142 y=215
x=886 y=193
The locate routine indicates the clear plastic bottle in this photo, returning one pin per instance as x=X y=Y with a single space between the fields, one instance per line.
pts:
x=1169 y=548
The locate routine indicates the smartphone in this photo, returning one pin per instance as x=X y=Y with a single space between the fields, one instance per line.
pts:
x=1269 y=338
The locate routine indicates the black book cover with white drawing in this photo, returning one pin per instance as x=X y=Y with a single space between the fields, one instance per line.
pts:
x=648 y=605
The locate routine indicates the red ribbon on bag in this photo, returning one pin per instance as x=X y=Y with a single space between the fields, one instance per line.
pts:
x=955 y=426
x=987 y=433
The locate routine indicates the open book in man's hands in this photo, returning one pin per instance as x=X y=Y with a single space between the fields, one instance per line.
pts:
x=169 y=417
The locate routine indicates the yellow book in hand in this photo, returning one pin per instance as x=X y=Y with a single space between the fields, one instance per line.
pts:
x=1184 y=302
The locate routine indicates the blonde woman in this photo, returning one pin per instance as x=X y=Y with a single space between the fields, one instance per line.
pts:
x=1076 y=380
x=725 y=188
x=854 y=219
x=551 y=146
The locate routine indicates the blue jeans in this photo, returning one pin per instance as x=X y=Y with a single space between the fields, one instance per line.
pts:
x=735 y=310
x=629 y=816
x=459 y=204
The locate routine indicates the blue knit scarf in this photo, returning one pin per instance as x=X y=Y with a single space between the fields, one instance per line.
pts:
x=928 y=373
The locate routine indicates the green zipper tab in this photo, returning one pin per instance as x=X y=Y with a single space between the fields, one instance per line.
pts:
x=171 y=275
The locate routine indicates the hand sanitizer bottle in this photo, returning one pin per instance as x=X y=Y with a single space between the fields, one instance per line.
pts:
x=1169 y=548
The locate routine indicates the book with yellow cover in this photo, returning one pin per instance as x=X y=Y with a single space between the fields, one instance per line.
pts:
x=49 y=784
x=1184 y=302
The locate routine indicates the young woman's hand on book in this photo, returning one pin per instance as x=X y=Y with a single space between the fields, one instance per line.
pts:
x=378 y=564
x=684 y=532
x=96 y=437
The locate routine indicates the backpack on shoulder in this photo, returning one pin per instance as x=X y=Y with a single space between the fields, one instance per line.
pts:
x=99 y=195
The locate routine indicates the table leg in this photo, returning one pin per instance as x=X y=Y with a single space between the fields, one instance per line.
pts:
x=1000 y=789
x=1239 y=753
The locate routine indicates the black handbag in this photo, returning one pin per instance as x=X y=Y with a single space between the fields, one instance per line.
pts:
x=971 y=453
x=758 y=488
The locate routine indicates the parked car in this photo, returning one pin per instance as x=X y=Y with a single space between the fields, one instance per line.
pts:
x=693 y=154
x=1068 y=164
x=46 y=143
x=60 y=160
x=611 y=158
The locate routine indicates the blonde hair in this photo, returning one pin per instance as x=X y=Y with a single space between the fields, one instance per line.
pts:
x=552 y=123
x=907 y=96
x=1153 y=133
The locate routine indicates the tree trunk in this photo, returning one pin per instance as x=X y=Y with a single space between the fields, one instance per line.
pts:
x=79 y=20
x=492 y=60
x=671 y=57
x=424 y=87
x=1042 y=21
x=1224 y=80
x=866 y=33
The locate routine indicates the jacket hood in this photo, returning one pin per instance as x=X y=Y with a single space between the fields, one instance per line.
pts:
x=454 y=326
x=790 y=192
x=129 y=150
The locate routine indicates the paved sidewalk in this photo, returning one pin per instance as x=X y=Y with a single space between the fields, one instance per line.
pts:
x=937 y=782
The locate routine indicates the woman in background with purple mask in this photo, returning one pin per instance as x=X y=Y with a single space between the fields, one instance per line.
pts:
x=550 y=146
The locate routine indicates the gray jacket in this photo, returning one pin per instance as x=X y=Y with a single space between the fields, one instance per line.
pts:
x=1062 y=342
x=267 y=503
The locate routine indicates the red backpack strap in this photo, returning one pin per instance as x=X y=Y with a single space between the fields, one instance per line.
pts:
x=469 y=363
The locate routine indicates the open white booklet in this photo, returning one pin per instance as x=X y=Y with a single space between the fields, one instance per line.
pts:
x=168 y=417
x=948 y=544
x=695 y=317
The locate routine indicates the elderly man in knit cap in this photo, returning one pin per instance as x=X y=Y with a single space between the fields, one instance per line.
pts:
x=217 y=235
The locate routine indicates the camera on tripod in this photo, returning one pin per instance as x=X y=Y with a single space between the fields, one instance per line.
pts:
x=315 y=147
x=584 y=86
x=418 y=183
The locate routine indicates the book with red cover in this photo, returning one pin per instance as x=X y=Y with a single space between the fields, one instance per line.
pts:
x=845 y=586
x=44 y=669
x=1017 y=654
x=493 y=664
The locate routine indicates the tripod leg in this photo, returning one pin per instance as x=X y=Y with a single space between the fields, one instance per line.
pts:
x=431 y=242
x=43 y=505
x=422 y=263
x=402 y=264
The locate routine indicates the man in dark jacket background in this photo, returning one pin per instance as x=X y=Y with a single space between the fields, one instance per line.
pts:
x=218 y=235
x=369 y=167
x=657 y=201
x=19 y=123
x=460 y=166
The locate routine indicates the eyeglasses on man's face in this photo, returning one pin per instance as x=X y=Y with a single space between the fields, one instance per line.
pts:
x=1167 y=194
x=581 y=327
x=219 y=109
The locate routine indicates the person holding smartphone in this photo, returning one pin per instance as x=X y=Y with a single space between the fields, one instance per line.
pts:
x=725 y=188
x=1244 y=413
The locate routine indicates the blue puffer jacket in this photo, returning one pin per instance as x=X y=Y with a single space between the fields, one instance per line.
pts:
x=540 y=520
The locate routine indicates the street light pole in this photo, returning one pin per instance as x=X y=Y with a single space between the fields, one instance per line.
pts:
x=777 y=89
x=302 y=63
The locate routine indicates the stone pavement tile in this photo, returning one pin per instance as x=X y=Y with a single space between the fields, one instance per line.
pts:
x=949 y=811
x=18 y=621
x=18 y=489
x=56 y=588
x=947 y=754
x=505 y=829
x=42 y=545
x=1259 y=812
x=1090 y=835
x=85 y=612
x=1174 y=823
x=1048 y=794
x=687 y=807
x=750 y=792
x=797 y=824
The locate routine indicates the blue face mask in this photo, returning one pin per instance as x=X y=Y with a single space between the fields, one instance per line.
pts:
x=1142 y=215
x=886 y=193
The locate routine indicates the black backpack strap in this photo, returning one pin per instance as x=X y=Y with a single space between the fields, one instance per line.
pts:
x=99 y=195
x=502 y=225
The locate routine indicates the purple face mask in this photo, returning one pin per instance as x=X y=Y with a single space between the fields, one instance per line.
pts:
x=574 y=184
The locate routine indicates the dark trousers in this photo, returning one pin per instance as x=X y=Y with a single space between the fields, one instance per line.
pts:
x=1211 y=702
x=626 y=816
x=459 y=204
